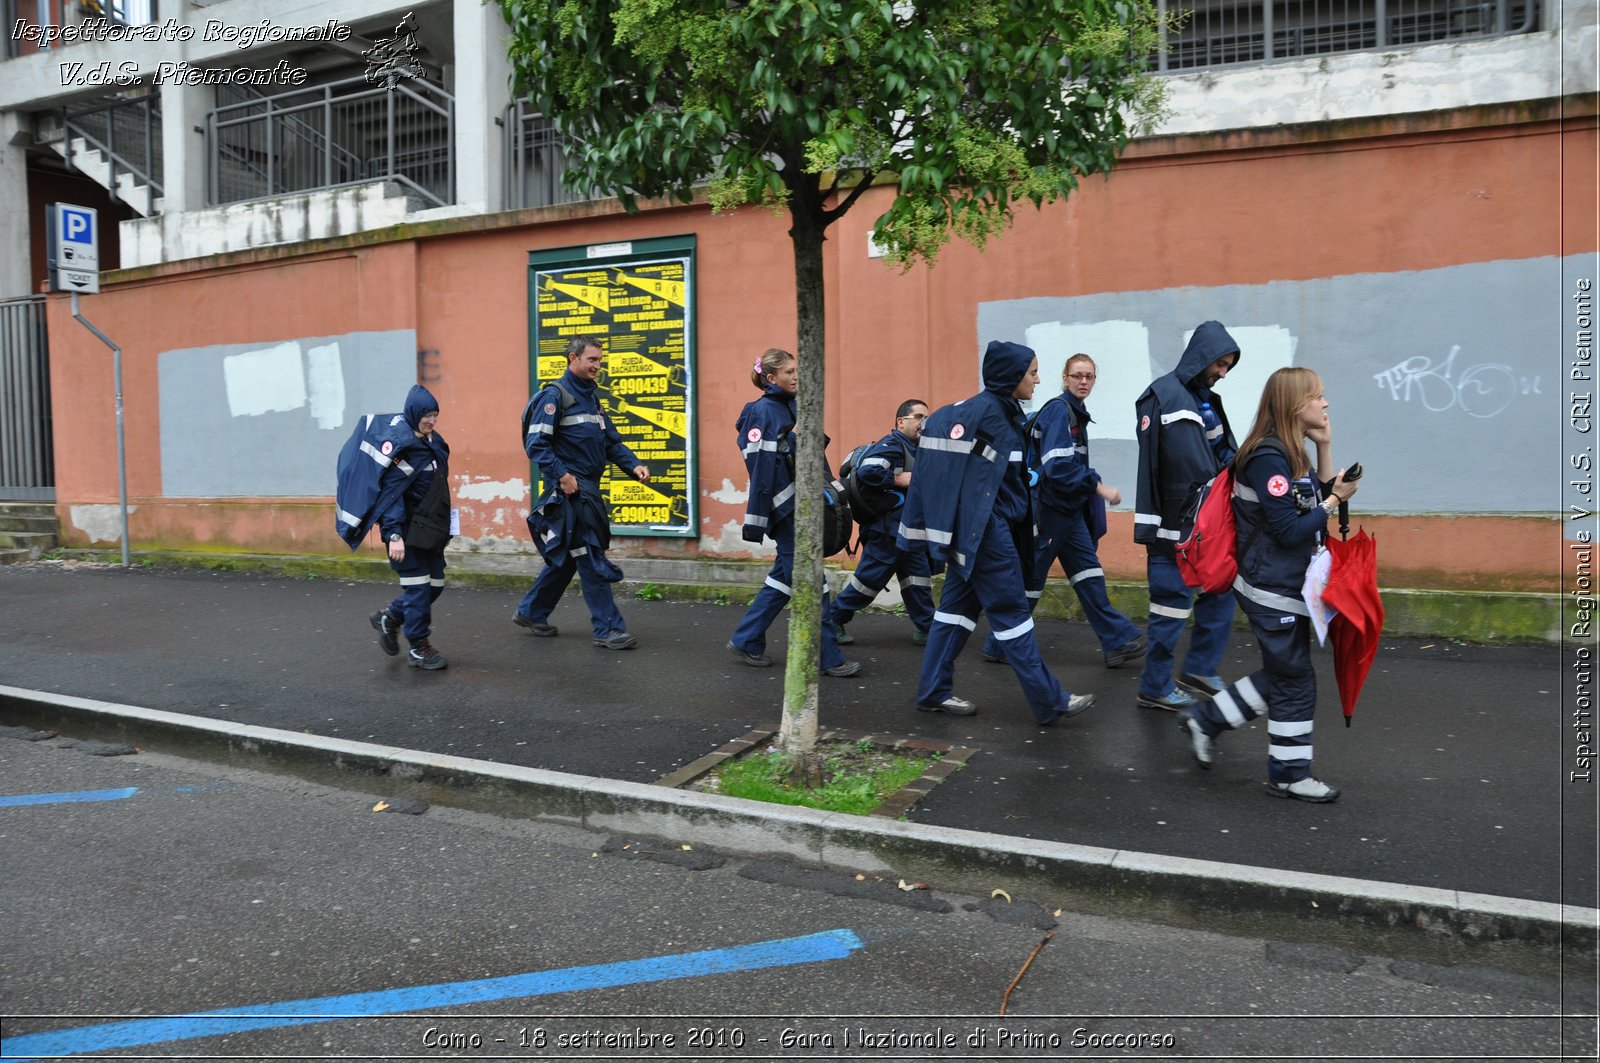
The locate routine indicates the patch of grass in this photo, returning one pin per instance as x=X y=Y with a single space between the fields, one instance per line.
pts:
x=648 y=592
x=857 y=780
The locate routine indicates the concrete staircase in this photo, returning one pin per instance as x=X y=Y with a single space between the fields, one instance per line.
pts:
x=27 y=530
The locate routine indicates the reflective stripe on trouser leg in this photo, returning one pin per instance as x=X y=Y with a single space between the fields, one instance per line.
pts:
x=751 y=634
x=916 y=585
x=1170 y=603
x=1290 y=690
x=1237 y=705
x=1075 y=547
x=997 y=584
x=872 y=574
x=953 y=623
x=421 y=582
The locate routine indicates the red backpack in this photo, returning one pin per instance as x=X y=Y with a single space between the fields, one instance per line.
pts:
x=1208 y=558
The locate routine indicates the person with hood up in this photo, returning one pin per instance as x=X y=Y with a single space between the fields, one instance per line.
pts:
x=969 y=503
x=1070 y=503
x=566 y=433
x=395 y=473
x=1184 y=440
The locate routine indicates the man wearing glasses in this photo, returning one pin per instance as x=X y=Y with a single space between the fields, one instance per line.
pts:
x=876 y=490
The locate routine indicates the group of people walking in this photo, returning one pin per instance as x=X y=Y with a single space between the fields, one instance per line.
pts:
x=977 y=490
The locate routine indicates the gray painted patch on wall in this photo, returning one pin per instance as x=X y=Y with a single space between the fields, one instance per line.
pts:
x=1447 y=385
x=268 y=419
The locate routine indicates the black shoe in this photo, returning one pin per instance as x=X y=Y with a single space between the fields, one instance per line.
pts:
x=616 y=640
x=387 y=629
x=992 y=658
x=952 y=705
x=754 y=660
x=544 y=631
x=1131 y=652
x=424 y=656
x=844 y=670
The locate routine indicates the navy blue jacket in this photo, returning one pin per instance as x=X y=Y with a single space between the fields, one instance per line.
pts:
x=565 y=527
x=766 y=439
x=1278 y=526
x=385 y=467
x=1177 y=451
x=579 y=438
x=890 y=456
x=970 y=465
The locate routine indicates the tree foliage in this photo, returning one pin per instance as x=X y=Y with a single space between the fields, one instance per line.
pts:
x=970 y=106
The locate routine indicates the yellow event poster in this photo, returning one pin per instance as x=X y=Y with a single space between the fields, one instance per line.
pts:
x=640 y=312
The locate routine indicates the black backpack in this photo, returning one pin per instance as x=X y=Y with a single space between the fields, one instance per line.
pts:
x=867 y=503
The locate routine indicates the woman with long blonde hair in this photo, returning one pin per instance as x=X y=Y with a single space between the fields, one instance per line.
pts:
x=1281 y=505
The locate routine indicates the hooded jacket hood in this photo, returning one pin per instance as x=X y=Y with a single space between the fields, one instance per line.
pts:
x=1004 y=365
x=1209 y=342
x=419 y=401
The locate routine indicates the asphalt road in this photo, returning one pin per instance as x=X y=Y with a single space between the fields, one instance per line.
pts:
x=1454 y=773
x=185 y=889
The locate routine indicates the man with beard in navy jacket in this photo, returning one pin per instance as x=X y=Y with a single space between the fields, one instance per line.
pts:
x=1184 y=440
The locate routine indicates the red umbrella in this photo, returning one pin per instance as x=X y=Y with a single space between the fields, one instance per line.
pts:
x=1353 y=590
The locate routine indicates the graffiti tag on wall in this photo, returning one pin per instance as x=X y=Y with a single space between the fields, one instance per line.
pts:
x=1484 y=390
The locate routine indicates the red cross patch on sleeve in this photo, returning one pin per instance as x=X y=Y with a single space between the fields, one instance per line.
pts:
x=1278 y=486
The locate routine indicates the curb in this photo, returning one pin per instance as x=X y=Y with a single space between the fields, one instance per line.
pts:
x=1443 y=926
x=1476 y=616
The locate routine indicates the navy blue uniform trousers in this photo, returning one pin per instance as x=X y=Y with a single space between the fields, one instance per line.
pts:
x=552 y=583
x=995 y=589
x=751 y=634
x=880 y=559
x=1171 y=604
x=1284 y=689
x=421 y=582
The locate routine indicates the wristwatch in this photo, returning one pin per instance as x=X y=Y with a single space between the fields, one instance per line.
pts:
x=396 y=537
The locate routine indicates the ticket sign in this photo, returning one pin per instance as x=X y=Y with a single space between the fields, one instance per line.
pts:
x=639 y=305
x=72 y=237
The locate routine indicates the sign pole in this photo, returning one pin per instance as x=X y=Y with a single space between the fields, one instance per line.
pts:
x=122 y=448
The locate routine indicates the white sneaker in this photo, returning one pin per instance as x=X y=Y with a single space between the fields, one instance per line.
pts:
x=1199 y=741
x=1308 y=789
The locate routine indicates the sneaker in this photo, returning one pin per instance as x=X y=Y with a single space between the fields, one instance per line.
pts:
x=1177 y=701
x=424 y=656
x=1076 y=705
x=1308 y=789
x=843 y=671
x=919 y=637
x=541 y=630
x=840 y=635
x=1207 y=686
x=952 y=705
x=388 y=628
x=1121 y=656
x=616 y=640
x=754 y=660
x=1199 y=741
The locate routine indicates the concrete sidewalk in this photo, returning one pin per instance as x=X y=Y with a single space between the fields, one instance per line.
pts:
x=1454 y=773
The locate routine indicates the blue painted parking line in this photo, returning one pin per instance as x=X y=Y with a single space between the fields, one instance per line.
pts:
x=74 y=797
x=784 y=952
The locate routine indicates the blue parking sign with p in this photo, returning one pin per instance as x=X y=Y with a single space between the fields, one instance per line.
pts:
x=77 y=226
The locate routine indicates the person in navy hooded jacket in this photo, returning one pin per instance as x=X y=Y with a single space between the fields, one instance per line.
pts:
x=1184 y=440
x=412 y=511
x=766 y=439
x=969 y=503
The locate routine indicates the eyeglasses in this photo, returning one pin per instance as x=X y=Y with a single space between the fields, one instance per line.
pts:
x=914 y=417
x=1080 y=376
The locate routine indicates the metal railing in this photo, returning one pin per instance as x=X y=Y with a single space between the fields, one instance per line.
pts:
x=127 y=133
x=342 y=133
x=1225 y=32
x=27 y=452
x=535 y=160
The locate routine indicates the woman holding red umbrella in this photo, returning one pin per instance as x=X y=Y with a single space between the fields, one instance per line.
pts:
x=1281 y=506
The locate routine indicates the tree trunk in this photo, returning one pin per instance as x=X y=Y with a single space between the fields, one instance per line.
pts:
x=798 y=736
